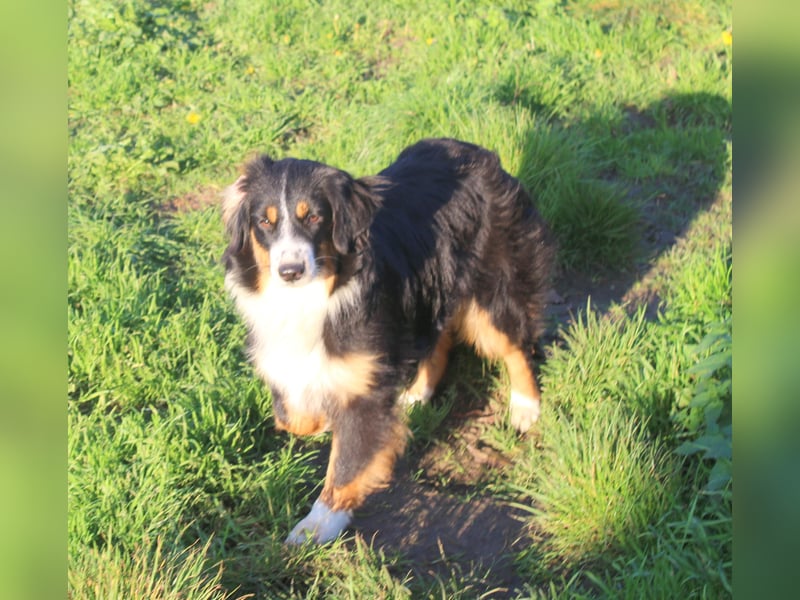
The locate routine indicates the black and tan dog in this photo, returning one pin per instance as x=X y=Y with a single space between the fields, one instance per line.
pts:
x=354 y=291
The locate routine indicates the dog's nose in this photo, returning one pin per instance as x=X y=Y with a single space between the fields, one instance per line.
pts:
x=291 y=271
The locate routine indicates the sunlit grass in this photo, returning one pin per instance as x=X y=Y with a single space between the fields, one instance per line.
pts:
x=148 y=572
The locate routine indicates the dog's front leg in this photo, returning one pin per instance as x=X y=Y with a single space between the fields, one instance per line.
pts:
x=322 y=524
x=368 y=436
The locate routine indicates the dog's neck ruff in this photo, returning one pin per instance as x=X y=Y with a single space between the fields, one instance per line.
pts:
x=287 y=344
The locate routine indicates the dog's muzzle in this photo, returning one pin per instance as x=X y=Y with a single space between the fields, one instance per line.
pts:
x=294 y=262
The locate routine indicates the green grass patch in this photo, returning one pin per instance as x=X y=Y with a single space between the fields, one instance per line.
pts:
x=146 y=573
x=601 y=482
x=616 y=117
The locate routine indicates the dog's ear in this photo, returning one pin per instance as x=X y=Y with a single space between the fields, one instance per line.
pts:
x=235 y=215
x=235 y=211
x=353 y=206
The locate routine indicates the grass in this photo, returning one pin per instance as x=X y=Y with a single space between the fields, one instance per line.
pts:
x=617 y=118
x=147 y=574
x=618 y=481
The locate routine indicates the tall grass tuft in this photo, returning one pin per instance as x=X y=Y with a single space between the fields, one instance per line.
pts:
x=615 y=358
x=149 y=572
x=590 y=217
x=600 y=483
x=356 y=572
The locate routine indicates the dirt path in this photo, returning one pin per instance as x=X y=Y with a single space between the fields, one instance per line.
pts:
x=439 y=535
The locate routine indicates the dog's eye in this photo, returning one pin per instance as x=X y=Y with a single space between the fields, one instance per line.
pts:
x=312 y=218
x=268 y=218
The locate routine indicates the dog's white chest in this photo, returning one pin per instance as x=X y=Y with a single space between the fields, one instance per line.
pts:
x=299 y=372
x=287 y=349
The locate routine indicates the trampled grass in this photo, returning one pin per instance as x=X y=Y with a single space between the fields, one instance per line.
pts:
x=616 y=116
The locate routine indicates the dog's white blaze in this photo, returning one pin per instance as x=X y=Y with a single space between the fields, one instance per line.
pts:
x=290 y=247
x=288 y=349
x=322 y=524
x=283 y=201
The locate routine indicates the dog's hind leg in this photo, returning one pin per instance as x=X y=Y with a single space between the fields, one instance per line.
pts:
x=525 y=401
x=430 y=372
x=368 y=436
x=476 y=327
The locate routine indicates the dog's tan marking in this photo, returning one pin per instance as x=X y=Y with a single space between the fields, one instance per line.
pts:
x=301 y=210
x=352 y=375
x=474 y=325
x=272 y=214
x=432 y=368
x=302 y=424
x=330 y=282
x=376 y=475
x=520 y=376
x=327 y=258
x=261 y=257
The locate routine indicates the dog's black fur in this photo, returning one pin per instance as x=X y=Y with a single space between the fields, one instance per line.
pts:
x=441 y=245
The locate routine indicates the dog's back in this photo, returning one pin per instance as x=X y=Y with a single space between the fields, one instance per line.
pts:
x=453 y=227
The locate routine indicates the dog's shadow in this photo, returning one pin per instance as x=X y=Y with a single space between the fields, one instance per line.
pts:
x=440 y=536
x=680 y=144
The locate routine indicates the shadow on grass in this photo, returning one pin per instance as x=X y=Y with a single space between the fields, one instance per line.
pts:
x=441 y=537
x=668 y=163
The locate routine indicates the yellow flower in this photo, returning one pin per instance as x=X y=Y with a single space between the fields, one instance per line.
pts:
x=430 y=41
x=598 y=53
x=286 y=39
x=727 y=38
x=250 y=70
x=193 y=118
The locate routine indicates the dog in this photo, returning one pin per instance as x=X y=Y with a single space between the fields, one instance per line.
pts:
x=355 y=290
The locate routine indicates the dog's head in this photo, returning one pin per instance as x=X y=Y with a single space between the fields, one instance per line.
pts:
x=291 y=221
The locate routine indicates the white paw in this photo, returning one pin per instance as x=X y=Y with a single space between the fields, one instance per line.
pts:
x=410 y=398
x=320 y=525
x=524 y=411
